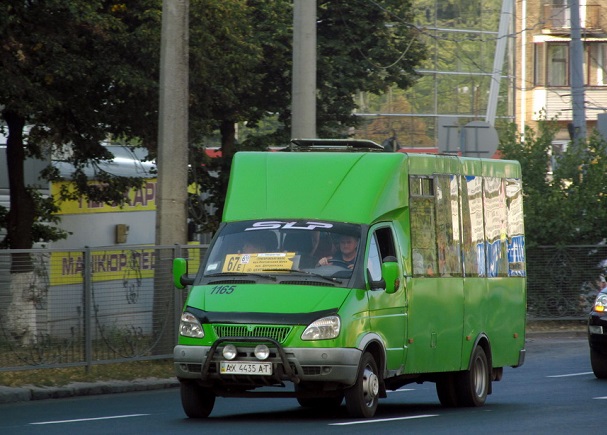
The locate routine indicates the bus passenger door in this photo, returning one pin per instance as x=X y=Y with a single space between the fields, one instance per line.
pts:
x=387 y=311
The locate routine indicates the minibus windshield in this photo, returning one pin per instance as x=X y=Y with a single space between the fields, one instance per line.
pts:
x=274 y=246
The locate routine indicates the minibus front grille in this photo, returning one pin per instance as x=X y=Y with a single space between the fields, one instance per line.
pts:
x=278 y=333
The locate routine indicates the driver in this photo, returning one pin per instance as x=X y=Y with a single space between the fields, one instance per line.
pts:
x=348 y=246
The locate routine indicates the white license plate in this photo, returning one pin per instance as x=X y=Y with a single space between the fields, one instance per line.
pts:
x=245 y=368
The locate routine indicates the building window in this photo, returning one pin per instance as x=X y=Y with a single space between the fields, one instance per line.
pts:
x=557 y=60
x=598 y=64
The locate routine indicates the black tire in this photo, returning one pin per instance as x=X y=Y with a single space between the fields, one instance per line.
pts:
x=197 y=401
x=446 y=390
x=321 y=402
x=598 y=361
x=472 y=386
x=362 y=398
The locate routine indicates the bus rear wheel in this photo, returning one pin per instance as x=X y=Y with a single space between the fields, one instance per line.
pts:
x=468 y=387
x=473 y=384
x=197 y=401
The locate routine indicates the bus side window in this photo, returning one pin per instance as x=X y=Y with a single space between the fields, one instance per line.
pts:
x=448 y=225
x=423 y=226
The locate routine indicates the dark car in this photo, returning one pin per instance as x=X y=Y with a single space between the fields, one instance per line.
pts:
x=597 y=335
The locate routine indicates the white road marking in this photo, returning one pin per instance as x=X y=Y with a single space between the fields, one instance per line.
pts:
x=600 y=398
x=381 y=420
x=401 y=390
x=570 y=374
x=89 y=419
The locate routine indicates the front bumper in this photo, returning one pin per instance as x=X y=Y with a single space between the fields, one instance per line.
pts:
x=334 y=365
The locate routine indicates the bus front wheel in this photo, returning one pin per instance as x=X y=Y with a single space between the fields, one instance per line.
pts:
x=197 y=401
x=362 y=398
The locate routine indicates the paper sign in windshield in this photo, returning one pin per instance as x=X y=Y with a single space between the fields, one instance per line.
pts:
x=245 y=263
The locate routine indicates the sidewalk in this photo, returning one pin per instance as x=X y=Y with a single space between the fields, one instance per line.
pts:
x=541 y=329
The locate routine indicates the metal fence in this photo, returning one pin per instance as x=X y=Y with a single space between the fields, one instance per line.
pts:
x=563 y=281
x=62 y=308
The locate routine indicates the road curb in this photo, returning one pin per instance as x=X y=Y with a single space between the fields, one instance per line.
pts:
x=76 y=389
x=557 y=334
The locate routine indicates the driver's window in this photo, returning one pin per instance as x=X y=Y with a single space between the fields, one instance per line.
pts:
x=374 y=260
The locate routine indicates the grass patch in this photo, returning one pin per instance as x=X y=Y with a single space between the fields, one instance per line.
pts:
x=63 y=376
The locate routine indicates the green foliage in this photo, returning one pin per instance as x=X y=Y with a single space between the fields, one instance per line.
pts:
x=567 y=206
x=80 y=71
x=361 y=46
x=46 y=217
x=75 y=73
x=582 y=176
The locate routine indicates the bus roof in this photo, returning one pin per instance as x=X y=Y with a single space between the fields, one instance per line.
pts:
x=340 y=186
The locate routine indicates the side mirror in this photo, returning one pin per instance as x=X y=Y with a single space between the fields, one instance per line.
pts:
x=389 y=273
x=180 y=273
x=375 y=285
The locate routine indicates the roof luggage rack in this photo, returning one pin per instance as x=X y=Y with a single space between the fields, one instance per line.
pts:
x=334 y=145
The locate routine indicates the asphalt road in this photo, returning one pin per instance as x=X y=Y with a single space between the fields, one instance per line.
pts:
x=555 y=392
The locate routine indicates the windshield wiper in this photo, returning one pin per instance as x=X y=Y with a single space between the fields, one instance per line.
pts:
x=222 y=274
x=317 y=275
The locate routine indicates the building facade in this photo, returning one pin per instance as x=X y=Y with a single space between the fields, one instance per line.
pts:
x=543 y=66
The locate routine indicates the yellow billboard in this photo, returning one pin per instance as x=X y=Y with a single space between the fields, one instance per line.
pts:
x=141 y=199
x=108 y=265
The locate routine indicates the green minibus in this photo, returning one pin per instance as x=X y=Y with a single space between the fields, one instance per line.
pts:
x=341 y=272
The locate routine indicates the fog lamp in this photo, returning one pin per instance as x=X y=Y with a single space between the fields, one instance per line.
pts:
x=229 y=352
x=262 y=352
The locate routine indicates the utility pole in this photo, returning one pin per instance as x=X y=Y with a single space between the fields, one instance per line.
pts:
x=577 y=75
x=303 y=96
x=172 y=164
x=172 y=161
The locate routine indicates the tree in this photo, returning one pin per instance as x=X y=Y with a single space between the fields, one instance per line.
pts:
x=235 y=51
x=565 y=207
x=360 y=47
x=77 y=72
x=568 y=206
x=73 y=73
x=70 y=75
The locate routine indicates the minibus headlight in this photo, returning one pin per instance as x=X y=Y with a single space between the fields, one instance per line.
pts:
x=189 y=326
x=322 y=329
x=600 y=304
